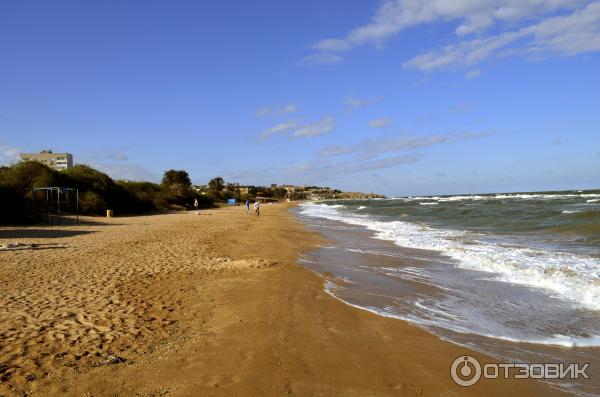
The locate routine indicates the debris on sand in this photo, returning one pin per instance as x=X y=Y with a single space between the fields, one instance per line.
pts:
x=109 y=361
x=17 y=246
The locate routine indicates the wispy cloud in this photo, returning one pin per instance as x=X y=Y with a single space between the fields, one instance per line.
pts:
x=278 y=129
x=362 y=157
x=267 y=111
x=380 y=123
x=132 y=172
x=567 y=35
x=288 y=109
x=471 y=74
x=101 y=156
x=115 y=163
x=374 y=147
x=296 y=130
x=351 y=103
x=263 y=112
x=320 y=127
x=327 y=169
x=9 y=154
x=321 y=59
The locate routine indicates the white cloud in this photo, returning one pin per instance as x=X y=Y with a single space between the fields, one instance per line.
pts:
x=285 y=109
x=295 y=130
x=474 y=17
x=570 y=35
x=291 y=108
x=576 y=33
x=324 y=170
x=333 y=45
x=322 y=58
x=101 y=156
x=132 y=172
x=9 y=154
x=465 y=54
x=278 y=129
x=374 y=147
x=263 y=112
x=320 y=127
x=115 y=163
x=380 y=123
x=471 y=74
x=352 y=103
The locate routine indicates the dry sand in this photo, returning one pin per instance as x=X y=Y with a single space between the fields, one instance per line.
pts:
x=181 y=304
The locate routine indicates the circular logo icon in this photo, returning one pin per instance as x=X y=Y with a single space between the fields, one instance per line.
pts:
x=465 y=371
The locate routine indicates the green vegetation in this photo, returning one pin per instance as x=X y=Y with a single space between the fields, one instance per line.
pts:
x=99 y=192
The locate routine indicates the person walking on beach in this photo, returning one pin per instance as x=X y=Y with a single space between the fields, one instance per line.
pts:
x=257 y=208
x=247 y=206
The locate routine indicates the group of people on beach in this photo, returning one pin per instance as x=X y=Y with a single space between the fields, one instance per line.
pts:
x=256 y=207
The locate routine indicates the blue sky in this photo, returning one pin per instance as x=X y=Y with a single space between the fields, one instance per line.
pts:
x=399 y=97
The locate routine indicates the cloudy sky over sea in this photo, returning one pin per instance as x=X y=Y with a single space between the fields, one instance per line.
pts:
x=397 y=97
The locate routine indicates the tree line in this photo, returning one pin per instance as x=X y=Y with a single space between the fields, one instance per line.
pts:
x=99 y=192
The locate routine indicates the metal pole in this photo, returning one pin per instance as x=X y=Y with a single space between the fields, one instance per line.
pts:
x=58 y=204
x=49 y=205
x=77 y=205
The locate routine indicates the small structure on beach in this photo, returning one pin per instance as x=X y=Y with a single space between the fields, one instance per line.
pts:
x=59 y=201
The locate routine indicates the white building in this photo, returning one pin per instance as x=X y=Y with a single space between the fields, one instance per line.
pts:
x=58 y=161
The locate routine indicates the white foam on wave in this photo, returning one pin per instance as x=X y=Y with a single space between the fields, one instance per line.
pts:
x=521 y=196
x=567 y=276
x=554 y=340
x=569 y=211
x=362 y=207
x=592 y=201
x=428 y=203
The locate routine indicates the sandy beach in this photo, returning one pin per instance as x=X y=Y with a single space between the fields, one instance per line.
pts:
x=213 y=304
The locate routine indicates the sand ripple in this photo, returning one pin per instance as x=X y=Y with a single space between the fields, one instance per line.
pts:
x=88 y=295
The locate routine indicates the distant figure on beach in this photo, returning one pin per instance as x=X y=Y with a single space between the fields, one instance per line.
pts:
x=196 y=203
x=247 y=206
x=257 y=208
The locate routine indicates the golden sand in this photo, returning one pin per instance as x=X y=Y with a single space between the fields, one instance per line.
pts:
x=211 y=304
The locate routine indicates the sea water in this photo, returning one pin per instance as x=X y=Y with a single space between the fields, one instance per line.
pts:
x=513 y=275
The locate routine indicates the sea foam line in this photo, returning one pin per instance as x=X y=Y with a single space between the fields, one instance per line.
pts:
x=571 y=277
x=555 y=340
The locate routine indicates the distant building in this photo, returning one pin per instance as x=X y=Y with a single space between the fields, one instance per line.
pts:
x=273 y=185
x=58 y=161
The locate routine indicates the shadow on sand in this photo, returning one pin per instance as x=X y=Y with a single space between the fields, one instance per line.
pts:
x=40 y=233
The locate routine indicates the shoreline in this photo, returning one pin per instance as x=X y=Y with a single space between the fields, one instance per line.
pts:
x=236 y=314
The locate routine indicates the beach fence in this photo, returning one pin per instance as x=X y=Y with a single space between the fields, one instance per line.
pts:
x=57 y=202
